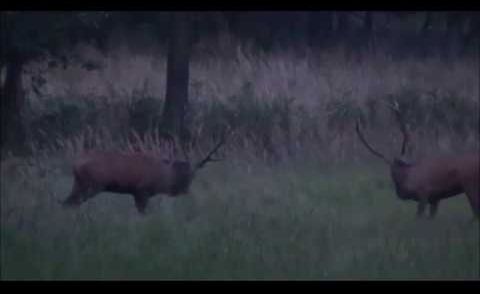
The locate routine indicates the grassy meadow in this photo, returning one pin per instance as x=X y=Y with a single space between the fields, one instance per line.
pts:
x=297 y=197
x=303 y=220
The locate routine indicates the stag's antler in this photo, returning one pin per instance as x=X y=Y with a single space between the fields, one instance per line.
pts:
x=209 y=158
x=403 y=127
x=167 y=143
x=362 y=138
x=185 y=153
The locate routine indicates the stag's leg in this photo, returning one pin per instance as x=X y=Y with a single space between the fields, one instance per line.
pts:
x=433 y=208
x=74 y=198
x=191 y=208
x=473 y=196
x=422 y=204
x=141 y=201
x=81 y=192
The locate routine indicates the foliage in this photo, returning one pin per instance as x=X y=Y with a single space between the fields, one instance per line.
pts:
x=52 y=33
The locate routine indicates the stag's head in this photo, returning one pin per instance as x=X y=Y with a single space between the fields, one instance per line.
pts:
x=185 y=171
x=399 y=163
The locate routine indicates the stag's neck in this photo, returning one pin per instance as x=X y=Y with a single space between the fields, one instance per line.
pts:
x=400 y=179
x=182 y=179
x=181 y=186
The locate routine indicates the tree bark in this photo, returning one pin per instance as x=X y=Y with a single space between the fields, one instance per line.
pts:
x=427 y=23
x=12 y=95
x=454 y=23
x=176 y=100
x=342 y=22
x=13 y=133
x=369 y=27
x=368 y=22
x=320 y=27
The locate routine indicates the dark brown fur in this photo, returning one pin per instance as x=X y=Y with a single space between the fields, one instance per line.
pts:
x=433 y=179
x=140 y=175
x=438 y=178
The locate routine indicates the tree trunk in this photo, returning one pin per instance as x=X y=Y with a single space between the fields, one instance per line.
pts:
x=13 y=132
x=342 y=22
x=11 y=94
x=320 y=26
x=472 y=36
x=454 y=23
x=176 y=100
x=427 y=23
x=369 y=30
x=368 y=22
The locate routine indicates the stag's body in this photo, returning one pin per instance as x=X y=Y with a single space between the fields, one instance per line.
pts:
x=143 y=176
x=438 y=178
x=433 y=179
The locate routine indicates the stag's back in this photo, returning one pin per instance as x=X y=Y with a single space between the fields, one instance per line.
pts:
x=444 y=173
x=123 y=170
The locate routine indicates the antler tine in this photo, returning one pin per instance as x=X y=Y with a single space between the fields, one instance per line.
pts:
x=168 y=142
x=364 y=141
x=208 y=158
x=185 y=153
x=403 y=127
x=216 y=159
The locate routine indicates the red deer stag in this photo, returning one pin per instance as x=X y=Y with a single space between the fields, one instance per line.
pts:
x=138 y=174
x=431 y=180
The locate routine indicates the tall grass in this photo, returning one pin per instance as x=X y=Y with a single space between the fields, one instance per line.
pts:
x=276 y=102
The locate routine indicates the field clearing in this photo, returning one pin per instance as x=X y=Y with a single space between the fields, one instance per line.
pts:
x=242 y=220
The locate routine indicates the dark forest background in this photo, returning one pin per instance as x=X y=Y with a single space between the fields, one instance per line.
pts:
x=35 y=44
